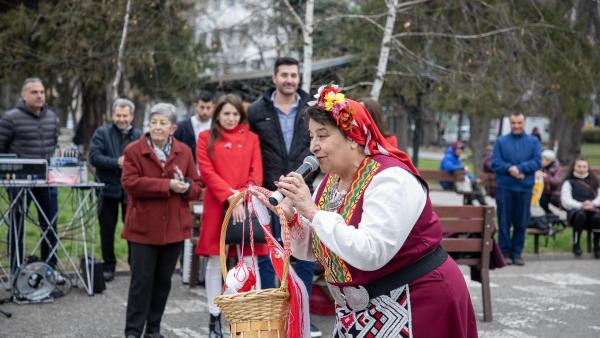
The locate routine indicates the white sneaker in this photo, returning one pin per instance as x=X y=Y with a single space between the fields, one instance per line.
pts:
x=60 y=280
x=314 y=331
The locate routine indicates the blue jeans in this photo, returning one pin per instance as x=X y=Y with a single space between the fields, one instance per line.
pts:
x=513 y=209
x=48 y=202
x=304 y=269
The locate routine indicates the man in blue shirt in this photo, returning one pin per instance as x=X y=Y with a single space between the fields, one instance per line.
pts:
x=516 y=158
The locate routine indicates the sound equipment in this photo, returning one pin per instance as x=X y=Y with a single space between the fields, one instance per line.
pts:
x=23 y=169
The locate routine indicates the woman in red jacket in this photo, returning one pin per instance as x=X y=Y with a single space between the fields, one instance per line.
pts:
x=229 y=159
x=160 y=177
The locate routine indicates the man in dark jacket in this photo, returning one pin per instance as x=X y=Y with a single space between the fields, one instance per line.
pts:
x=106 y=154
x=515 y=160
x=188 y=129
x=277 y=118
x=30 y=130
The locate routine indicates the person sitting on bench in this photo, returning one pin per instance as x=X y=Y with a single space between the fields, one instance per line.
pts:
x=580 y=196
x=451 y=163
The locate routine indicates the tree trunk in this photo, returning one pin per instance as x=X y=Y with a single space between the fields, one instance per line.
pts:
x=141 y=101
x=384 y=52
x=552 y=106
x=307 y=33
x=93 y=106
x=404 y=133
x=416 y=112
x=569 y=143
x=121 y=52
x=429 y=127
x=478 y=140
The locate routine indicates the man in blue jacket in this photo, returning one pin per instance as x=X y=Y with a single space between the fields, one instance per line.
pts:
x=106 y=154
x=516 y=158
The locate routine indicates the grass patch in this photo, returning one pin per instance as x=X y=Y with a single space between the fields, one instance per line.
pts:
x=592 y=152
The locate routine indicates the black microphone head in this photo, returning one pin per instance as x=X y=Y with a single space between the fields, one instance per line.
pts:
x=312 y=161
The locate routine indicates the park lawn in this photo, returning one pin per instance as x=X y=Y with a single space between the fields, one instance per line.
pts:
x=592 y=152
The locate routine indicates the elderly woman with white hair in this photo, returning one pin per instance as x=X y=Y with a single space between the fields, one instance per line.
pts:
x=553 y=174
x=160 y=177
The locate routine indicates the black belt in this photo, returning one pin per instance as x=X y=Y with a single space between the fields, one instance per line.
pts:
x=418 y=269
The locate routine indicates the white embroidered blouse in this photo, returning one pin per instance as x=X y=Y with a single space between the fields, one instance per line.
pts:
x=393 y=202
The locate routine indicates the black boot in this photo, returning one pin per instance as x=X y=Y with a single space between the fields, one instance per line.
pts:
x=597 y=244
x=576 y=248
x=214 y=327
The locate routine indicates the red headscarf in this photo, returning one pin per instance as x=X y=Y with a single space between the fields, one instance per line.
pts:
x=354 y=119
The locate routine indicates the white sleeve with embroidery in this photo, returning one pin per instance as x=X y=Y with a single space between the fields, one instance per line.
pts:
x=392 y=203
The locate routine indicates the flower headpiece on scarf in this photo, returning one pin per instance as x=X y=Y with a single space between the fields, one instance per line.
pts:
x=330 y=99
x=354 y=120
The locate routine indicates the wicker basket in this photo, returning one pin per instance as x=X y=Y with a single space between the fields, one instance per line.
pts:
x=254 y=314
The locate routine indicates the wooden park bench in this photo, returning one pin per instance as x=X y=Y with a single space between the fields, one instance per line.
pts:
x=433 y=178
x=468 y=230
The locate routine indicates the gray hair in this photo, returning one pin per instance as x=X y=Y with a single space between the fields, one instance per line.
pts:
x=549 y=155
x=123 y=103
x=30 y=80
x=165 y=109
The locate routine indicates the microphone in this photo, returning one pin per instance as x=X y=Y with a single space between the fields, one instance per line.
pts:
x=309 y=165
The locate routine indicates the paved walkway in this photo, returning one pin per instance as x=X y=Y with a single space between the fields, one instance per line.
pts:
x=558 y=297
x=551 y=296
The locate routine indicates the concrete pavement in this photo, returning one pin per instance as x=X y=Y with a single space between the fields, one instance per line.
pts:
x=554 y=297
x=551 y=296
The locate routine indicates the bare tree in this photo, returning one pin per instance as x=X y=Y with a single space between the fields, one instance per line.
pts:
x=384 y=52
x=307 y=36
x=119 y=72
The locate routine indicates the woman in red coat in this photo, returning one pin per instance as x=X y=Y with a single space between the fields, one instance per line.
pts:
x=229 y=159
x=160 y=177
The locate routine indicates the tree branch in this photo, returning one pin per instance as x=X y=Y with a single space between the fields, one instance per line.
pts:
x=294 y=14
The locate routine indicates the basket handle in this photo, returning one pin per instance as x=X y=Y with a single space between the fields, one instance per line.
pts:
x=223 y=256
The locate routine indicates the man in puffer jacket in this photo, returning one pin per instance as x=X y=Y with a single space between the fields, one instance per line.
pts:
x=30 y=130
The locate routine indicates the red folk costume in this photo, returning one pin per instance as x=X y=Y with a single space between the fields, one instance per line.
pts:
x=392 y=140
x=235 y=163
x=356 y=239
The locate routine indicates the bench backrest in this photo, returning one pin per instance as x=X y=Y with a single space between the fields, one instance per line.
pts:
x=471 y=228
x=432 y=176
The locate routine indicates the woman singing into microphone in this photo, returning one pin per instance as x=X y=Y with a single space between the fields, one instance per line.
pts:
x=372 y=227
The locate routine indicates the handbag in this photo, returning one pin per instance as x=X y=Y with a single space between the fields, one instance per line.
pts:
x=234 y=231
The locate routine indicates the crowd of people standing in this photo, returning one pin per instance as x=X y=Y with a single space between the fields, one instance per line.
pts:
x=224 y=147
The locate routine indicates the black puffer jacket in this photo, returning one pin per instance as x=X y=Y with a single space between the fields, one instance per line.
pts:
x=106 y=146
x=264 y=121
x=29 y=135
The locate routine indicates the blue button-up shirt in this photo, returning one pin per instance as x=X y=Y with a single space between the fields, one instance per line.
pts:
x=287 y=121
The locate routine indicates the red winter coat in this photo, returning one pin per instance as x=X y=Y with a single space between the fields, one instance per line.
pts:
x=155 y=214
x=234 y=163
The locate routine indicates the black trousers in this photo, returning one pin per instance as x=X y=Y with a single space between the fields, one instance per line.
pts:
x=151 y=269
x=582 y=219
x=547 y=199
x=108 y=212
x=47 y=201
